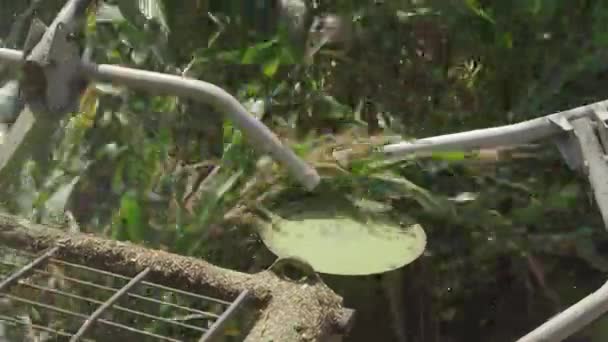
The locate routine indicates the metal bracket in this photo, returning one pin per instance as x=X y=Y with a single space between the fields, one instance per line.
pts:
x=566 y=144
x=601 y=115
x=34 y=35
x=561 y=121
x=568 y=148
x=53 y=78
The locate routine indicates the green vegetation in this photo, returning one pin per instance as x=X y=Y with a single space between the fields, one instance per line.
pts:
x=503 y=240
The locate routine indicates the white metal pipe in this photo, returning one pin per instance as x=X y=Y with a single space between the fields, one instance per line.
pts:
x=262 y=137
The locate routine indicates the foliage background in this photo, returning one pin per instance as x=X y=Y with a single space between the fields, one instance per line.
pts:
x=520 y=238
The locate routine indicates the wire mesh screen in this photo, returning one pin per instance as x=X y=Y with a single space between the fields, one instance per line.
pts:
x=44 y=298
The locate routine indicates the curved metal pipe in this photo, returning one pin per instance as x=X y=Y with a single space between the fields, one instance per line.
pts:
x=262 y=137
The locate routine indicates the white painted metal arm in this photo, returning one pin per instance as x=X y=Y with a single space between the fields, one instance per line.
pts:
x=262 y=137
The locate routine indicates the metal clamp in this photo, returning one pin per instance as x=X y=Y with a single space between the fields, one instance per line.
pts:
x=52 y=75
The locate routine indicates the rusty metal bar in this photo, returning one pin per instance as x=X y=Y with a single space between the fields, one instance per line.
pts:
x=84 y=317
x=216 y=329
x=25 y=270
x=111 y=289
x=117 y=307
x=97 y=313
x=185 y=293
x=162 y=287
x=154 y=300
x=15 y=321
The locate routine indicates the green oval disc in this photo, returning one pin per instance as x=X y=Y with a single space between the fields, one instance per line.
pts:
x=345 y=245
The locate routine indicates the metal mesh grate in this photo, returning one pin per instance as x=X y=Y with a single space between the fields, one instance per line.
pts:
x=52 y=299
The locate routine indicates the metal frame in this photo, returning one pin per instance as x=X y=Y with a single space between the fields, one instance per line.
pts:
x=195 y=296
x=581 y=136
x=18 y=279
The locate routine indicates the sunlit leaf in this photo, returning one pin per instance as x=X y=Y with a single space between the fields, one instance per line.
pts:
x=270 y=68
x=475 y=6
x=257 y=53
